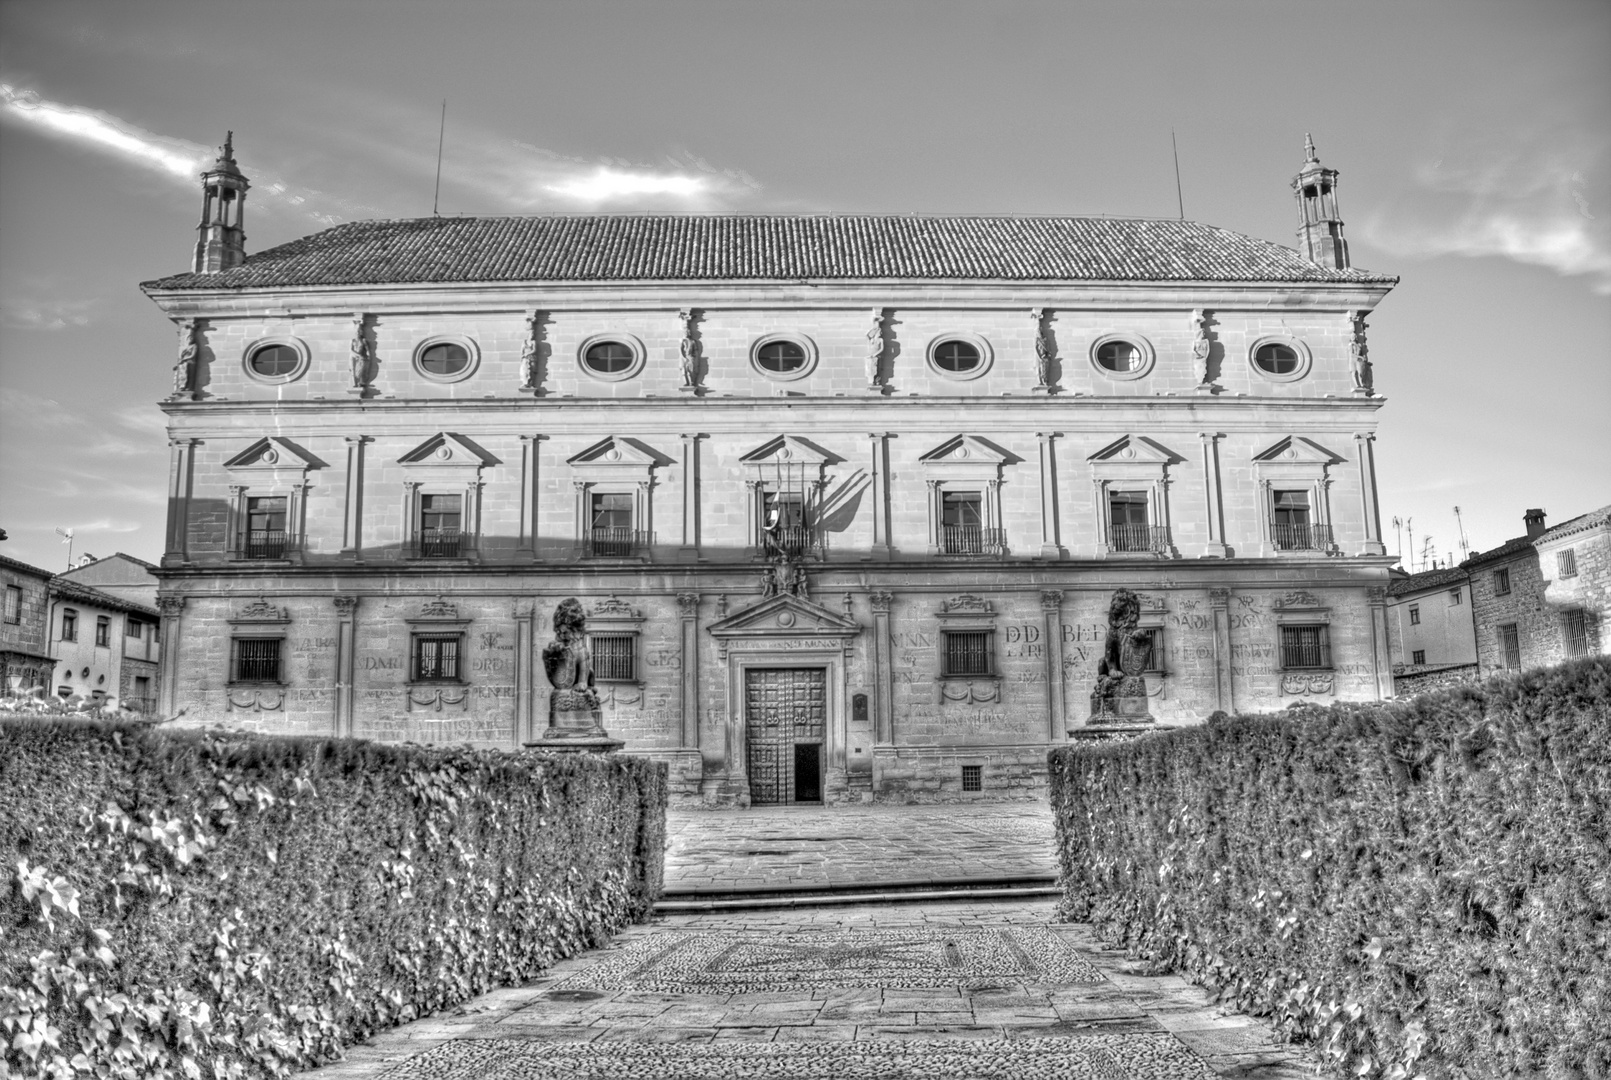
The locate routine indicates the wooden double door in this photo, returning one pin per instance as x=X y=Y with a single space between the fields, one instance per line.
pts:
x=785 y=716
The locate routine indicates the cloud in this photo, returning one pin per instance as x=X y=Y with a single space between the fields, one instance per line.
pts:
x=1528 y=203
x=604 y=184
x=22 y=312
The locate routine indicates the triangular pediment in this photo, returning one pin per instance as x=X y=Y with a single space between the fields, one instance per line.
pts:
x=273 y=453
x=1137 y=450
x=619 y=450
x=785 y=616
x=446 y=448
x=1297 y=450
x=968 y=450
x=789 y=450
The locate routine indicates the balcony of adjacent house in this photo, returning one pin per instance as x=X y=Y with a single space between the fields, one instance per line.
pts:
x=615 y=542
x=1129 y=539
x=972 y=541
x=1300 y=537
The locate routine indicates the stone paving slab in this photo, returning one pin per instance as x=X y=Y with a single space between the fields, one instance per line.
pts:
x=795 y=847
x=607 y=1013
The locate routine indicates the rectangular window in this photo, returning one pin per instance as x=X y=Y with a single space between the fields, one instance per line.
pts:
x=1501 y=582
x=973 y=778
x=784 y=528
x=969 y=652
x=255 y=660
x=1155 y=650
x=1415 y=614
x=1418 y=657
x=103 y=631
x=1566 y=562
x=1127 y=521
x=441 y=520
x=962 y=530
x=1305 y=647
x=615 y=657
x=133 y=628
x=610 y=523
x=1289 y=521
x=1510 y=646
x=13 y=604
x=69 y=624
x=436 y=657
x=1455 y=599
x=1575 y=632
x=265 y=526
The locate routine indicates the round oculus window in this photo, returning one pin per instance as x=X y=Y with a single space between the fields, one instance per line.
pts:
x=1276 y=359
x=274 y=361
x=781 y=357
x=1120 y=356
x=609 y=357
x=957 y=356
x=444 y=359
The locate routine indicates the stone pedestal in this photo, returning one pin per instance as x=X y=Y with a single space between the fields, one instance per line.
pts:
x=580 y=745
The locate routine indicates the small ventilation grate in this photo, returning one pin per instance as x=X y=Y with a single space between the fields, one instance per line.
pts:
x=973 y=778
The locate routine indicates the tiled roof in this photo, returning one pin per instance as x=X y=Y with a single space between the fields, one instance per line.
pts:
x=1510 y=547
x=695 y=247
x=1427 y=579
x=1578 y=524
x=71 y=590
x=15 y=564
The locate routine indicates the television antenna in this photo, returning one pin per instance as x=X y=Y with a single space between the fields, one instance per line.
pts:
x=68 y=534
x=1429 y=550
x=1398 y=531
x=1465 y=547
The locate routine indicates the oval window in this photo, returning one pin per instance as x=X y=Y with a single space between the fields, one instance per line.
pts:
x=274 y=361
x=444 y=358
x=1120 y=356
x=1276 y=359
x=608 y=357
x=957 y=356
x=781 y=357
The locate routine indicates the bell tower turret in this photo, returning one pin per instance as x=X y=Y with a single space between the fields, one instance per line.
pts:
x=221 y=242
x=1320 y=229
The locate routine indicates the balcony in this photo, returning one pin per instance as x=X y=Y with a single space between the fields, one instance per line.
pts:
x=264 y=544
x=1301 y=537
x=1140 y=539
x=440 y=544
x=792 y=542
x=972 y=540
x=615 y=542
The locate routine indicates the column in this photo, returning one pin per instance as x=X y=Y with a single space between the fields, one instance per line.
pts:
x=530 y=493
x=181 y=483
x=690 y=497
x=352 y=527
x=237 y=526
x=1365 y=454
x=168 y=688
x=883 y=548
x=1219 y=600
x=1051 y=542
x=1213 y=497
x=934 y=516
x=346 y=664
x=1051 y=610
x=883 y=669
x=688 y=669
x=1381 y=659
x=525 y=725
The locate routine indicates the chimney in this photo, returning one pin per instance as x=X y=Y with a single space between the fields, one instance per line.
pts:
x=1535 y=523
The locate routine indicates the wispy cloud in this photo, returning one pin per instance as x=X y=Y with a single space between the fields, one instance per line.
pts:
x=1529 y=203
x=20 y=311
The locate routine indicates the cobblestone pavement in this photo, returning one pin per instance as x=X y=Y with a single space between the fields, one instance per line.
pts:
x=920 y=992
x=793 y=847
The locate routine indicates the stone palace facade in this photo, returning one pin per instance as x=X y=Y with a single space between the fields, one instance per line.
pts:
x=845 y=497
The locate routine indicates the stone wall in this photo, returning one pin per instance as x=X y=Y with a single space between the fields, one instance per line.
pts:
x=1414 y=680
x=1537 y=631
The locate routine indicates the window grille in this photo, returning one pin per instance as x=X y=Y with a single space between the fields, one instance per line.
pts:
x=1305 y=647
x=1415 y=615
x=1418 y=657
x=1575 y=633
x=436 y=657
x=1510 y=646
x=13 y=604
x=256 y=660
x=614 y=657
x=969 y=652
x=1566 y=562
x=1155 y=651
x=973 y=778
x=1501 y=582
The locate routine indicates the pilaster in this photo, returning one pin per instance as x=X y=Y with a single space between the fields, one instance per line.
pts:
x=1051 y=610
x=1051 y=541
x=352 y=526
x=882 y=547
x=530 y=492
x=181 y=485
x=525 y=723
x=346 y=665
x=688 y=669
x=1381 y=658
x=1219 y=601
x=1365 y=454
x=883 y=669
x=690 y=497
x=172 y=608
x=1213 y=497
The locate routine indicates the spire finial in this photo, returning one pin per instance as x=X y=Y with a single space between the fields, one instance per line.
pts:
x=1309 y=147
x=229 y=144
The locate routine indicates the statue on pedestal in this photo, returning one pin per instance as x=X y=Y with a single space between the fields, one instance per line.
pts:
x=573 y=704
x=1120 y=694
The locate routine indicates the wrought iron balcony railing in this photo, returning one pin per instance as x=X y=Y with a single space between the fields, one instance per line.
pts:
x=615 y=542
x=440 y=544
x=1140 y=538
x=792 y=541
x=972 y=540
x=1301 y=537
x=264 y=544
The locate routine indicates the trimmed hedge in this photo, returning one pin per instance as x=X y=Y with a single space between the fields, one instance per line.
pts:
x=196 y=904
x=1421 y=888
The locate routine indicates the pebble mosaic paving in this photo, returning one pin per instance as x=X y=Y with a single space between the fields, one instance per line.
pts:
x=1097 y=1057
x=762 y=961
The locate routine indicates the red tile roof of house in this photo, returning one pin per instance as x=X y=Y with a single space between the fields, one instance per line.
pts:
x=696 y=247
x=1578 y=524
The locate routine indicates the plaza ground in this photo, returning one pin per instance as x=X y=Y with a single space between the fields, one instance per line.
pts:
x=780 y=983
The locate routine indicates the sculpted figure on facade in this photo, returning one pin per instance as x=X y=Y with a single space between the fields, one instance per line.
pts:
x=1200 y=345
x=184 y=371
x=528 y=353
x=359 y=350
x=1120 y=694
x=573 y=704
x=875 y=347
x=1043 y=348
x=689 y=348
x=1359 y=354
